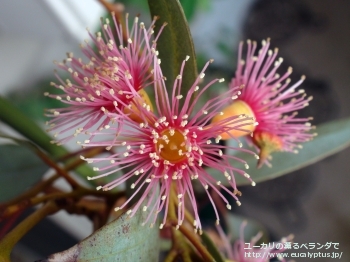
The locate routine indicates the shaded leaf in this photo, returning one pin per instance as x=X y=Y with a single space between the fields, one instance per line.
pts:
x=175 y=42
x=189 y=7
x=31 y=100
x=332 y=137
x=124 y=239
x=212 y=248
x=205 y=5
x=29 y=129
x=20 y=169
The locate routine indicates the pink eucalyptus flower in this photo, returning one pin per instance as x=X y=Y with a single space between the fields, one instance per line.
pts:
x=270 y=99
x=172 y=147
x=243 y=251
x=106 y=82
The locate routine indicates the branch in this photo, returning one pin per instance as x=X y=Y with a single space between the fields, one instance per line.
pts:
x=8 y=242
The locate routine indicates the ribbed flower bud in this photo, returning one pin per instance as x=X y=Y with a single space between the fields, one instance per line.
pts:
x=142 y=100
x=240 y=108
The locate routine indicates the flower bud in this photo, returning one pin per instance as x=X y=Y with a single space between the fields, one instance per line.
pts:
x=238 y=107
x=267 y=143
x=133 y=111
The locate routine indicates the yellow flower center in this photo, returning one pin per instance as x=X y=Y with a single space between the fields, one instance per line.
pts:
x=172 y=145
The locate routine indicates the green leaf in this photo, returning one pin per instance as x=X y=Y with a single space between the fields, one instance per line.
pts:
x=124 y=239
x=20 y=169
x=189 y=7
x=332 y=137
x=32 y=102
x=29 y=129
x=212 y=248
x=175 y=42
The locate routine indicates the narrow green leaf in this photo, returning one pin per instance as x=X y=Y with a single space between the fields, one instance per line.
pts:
x=212 y=248
x=29 y=129
x=20 y=169
x=332 y=137
x=124 y=239
x=175 y=42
